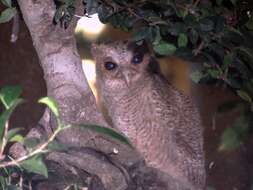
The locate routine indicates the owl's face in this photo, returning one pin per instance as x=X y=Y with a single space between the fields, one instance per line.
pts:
x=121 y=65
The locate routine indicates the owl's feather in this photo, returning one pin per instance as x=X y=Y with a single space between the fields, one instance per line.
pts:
x=161 y=122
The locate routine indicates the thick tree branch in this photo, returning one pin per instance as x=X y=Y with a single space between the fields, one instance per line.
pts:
x=56 y=48
x=61 y=64
x=66 y=83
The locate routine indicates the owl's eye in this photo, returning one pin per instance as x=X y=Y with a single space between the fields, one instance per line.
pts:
x=137 y=58
x=110 y=65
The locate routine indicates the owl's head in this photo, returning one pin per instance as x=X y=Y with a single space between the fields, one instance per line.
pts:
x=121 y=65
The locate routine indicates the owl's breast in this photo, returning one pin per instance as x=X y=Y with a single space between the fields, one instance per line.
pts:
x=141 y=119
x=129 y=115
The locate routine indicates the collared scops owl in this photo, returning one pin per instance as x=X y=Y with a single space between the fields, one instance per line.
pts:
x=160 y=121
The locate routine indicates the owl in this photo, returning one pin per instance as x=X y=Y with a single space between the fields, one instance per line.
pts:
x=160 y=121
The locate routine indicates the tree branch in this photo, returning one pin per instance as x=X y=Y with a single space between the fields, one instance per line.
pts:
x=56 y=49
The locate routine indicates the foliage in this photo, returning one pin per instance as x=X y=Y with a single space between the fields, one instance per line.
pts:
x=32 y=161
x=9 y=12
x=218 y=34
x=65 y=12
x=241 y=129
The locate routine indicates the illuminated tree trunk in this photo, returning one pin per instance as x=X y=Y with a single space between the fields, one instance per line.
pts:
x=65 y=82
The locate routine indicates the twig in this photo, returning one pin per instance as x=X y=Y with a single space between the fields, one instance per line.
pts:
x=30 y=185
x=38 y=150
x=4 y=141
x=199 y=48
x=21 y=182
x=196 y=3
x=132 y=12
x=15 y=28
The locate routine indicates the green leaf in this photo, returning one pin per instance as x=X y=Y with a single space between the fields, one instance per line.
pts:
x=233 y=136
x=59 y=13
x=51 y=103
x=5 y=116
x=7 y=14
x=106 y=131
x=158 y=37
x=247 y=54
x=56 y=146
x=206 y=25
x=35 y=165
x=91 y=7
x=182 y=40
x=64 y=13
x=244 y=95
x=164 y=48
x=229 y=140
x=31 y=142
x=184 y=53
x=193 y=36
x=214 y=73
x=196 y=76
x=177 y=28
x=182 y=13
x=227 y=61
x=210 y=188
x=3 y=182
x=141 y=34
x=13 y=136
x=17 y=138
x=249 y=24
x=241 y=126
x=7 y=3
x=9 y=94
x=104 y=13
x=233 y=2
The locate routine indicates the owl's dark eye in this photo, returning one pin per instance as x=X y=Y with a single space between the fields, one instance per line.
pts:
x=137 y=58
x=110 y=65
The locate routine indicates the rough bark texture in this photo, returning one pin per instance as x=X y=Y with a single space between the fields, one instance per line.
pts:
x=65 y=81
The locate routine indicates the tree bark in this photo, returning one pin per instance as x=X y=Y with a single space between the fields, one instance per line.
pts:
x=66 y=83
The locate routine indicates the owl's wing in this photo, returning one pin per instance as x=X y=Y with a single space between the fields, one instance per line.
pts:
x=188 y=134
x=188 y=139
x=185 y=141
x=178 y=112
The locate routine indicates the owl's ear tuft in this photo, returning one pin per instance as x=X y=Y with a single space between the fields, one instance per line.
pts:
x=138 y=48
x=153 y=66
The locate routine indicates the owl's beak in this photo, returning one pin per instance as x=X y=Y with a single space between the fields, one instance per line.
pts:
x=127 y=76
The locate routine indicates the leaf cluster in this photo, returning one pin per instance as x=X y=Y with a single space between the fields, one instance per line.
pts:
x=241 y=129
x=218 y=34
x=65 y=12
x=9 y=12
x=33 y=161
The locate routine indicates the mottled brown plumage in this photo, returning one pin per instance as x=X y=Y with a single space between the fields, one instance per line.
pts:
x=160 y=121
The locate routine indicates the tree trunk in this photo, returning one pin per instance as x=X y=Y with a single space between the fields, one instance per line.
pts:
x=88 y=153
x=66 y=83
